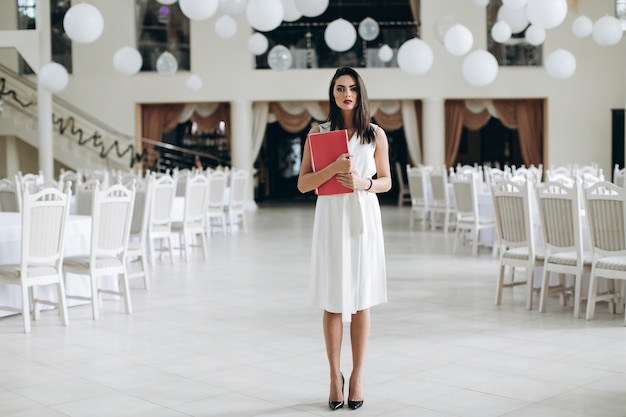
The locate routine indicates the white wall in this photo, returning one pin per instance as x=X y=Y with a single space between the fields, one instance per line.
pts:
x=578 y=109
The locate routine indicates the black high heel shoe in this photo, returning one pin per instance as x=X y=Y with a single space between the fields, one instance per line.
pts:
x=336 y=405
x=353 y=405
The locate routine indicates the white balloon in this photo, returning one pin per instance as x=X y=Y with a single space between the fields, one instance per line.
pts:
x=194 y=82
x=547 y=14
x=501 y=31
x=369 y=29
x=265 y=15
x=516 y=18
x=582 y=26
x=340 y=35
x=560 y=64
x=480 y=68
x=198 y=9
x=607 y=31
x=232 y=7
x=312 y=8
x=53 y=77
x=127 y=60
x=481 y=3
x=385 y=53
x=167 y=2
x=514 y=4
x=535 y=36
x=458 y=40
x=442 y=25
x=291 y=11
x=257 y=43
x=166 y=64
x=83 y=23
x=279 y=58
x=415 y=57
x=226 y=26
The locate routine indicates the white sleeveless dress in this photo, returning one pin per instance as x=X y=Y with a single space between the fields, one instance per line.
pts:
x=348 y=253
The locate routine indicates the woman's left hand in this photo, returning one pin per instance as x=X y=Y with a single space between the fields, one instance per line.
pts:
x=352 y=181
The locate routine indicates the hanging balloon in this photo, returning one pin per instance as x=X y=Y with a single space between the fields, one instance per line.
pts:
x=83 y=23
x=198 y=9
x=265 y=15
x=312 y=8
x=291 y=11
x=481 y=3
x=385 y=53
x=53 y=77
x=514 y=4
x=340 y=35
x=607 y=31
x=226 y=26
x=232 y=7
x=458 y=40
x=167 y=2
x=127 y=60
x=166 y=64
x=369 y=29
x=582 y=26
x=560 y=64
x=442 y=25
x=547 y=14
x=517 y=19
x=257 y=43
x=279 y=58
x=480 y=68
x=415 y=57
x=535 y=36
x=194 y=82
x=501 y=31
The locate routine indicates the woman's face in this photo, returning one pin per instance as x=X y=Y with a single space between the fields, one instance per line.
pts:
x=346 y=92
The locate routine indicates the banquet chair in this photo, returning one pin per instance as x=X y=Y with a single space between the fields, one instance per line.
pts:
x=215 y=208
x=561 y=227
x=68 y=175
x=10 y=198
x=468 y=218
x=160 y=219
x=84 y=196
x=110 y=230
x=418 y=188
x=565 y=170
x=619 y=175
x=235 y=210
x=44 y=217
x=605 y=205
x=514 y=223
x=441 y=206
x=137 y=252
x=196 y=195
x=404 y=195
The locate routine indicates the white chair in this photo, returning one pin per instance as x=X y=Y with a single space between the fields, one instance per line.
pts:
x=110 y=230
x=468 y=218
x=44 y=216
x=441 y=207
x=606 y=214
x=84 y=197
x=216 y=215
x=564 y=170
x=137 y=252
x=418 y=188
x=619 y=175
x=10 y=198
x=560 y=215
x=404 y=194
x=72 y=176
x=160 y=219
x=235 y=210
x=512 y=209
x=196 y=195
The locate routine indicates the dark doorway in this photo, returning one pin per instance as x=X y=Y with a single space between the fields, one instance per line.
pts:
x=617 y=142
x=493 y=145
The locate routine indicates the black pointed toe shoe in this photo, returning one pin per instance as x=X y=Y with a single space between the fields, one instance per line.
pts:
x=336 y=405
x=354 y=405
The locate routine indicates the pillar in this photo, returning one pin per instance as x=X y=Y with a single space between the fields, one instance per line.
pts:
x=434 y=139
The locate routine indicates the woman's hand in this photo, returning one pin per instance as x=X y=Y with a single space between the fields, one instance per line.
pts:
x=352 y=181
x=343 y=164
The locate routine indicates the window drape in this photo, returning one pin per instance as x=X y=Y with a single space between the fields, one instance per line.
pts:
x=156 y=119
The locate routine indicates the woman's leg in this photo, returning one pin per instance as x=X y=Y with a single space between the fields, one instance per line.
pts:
x=359 y=334
x=333 y=334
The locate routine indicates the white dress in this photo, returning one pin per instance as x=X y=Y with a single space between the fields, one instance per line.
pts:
x=348 y=271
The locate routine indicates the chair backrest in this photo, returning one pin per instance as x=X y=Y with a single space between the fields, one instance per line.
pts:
x=84 y=196
x=196 y=198
x=560 y=216
x=513 y=213
x=465 y=197
x=162 y=204
x=619 y=175
x=606 y=215
x=438 y=178
x=44 y=217
x=110 y=221
x=141 y=206
x=565 y=170
x=217 y=189
x=587 y=178
x=418 y=185
x=238 y=183
x=74 y=177
x=9 y=196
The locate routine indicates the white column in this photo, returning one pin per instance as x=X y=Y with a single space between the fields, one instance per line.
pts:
x=44 y=97
x=434 y=139
x=241 y=143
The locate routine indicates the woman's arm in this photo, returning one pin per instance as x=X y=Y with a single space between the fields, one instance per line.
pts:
x=382 y=183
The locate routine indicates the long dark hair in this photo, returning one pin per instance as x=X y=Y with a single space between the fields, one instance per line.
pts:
x=362 y=118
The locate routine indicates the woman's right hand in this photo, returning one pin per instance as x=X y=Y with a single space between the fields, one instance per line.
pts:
x=343 y=163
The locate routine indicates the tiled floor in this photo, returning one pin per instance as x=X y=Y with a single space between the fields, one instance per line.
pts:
x=234 y=336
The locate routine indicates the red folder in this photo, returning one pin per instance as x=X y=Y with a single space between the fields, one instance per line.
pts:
x=325 y=149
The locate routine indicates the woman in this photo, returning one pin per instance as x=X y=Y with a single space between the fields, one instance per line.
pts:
x=348 y=257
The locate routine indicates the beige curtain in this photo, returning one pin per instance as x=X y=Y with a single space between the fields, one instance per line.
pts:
x=156 y=119
x=210 y=122
x=457 y=115
x=290 y=122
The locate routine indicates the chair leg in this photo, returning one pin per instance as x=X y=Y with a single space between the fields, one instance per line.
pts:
x=95 y=303
x=35 y=305
x=591 y=298
x=62 y=303
x=26 y=308
x=144 y=266
x=500 y=285
x=529 y=286
x=577 y=289
x=125 y=288
x=545 y=279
